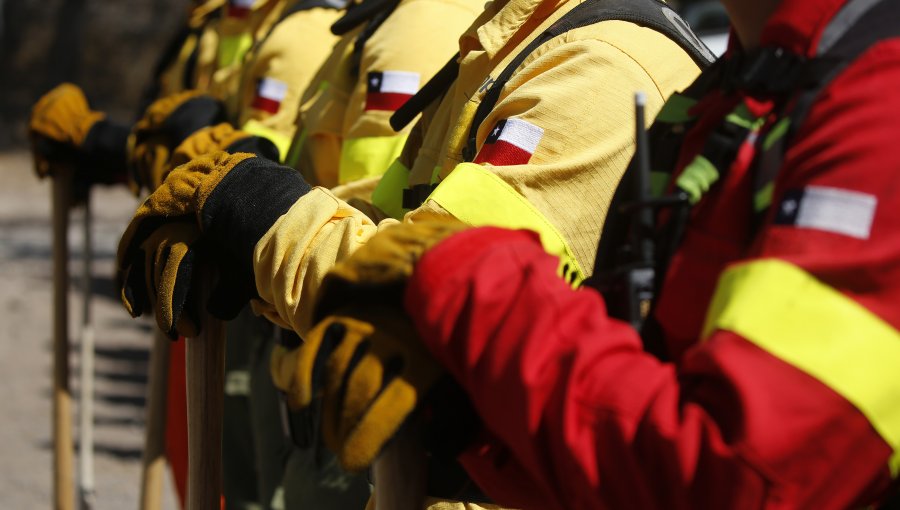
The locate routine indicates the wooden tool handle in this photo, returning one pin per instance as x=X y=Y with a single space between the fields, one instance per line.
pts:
x=63 y=479
x=400 y=472
x=205 y=365
x=154 y=458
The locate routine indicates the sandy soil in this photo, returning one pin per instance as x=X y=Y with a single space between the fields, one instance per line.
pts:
x=122 y=347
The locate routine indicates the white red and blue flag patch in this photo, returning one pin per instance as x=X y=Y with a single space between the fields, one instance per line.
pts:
x=511 y=142
x=269 y=95
x=839 y=211
x=388 y=90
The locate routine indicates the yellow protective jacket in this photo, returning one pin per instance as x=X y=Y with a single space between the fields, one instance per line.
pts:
x=344 y=133
x=196 y=50
x=575 y=90
x=279 y=69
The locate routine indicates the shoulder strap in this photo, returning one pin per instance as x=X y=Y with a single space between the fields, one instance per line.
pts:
x=858 y=26
x=652 y=14
x=649 y=13
x=436 y=87
x=360 y=13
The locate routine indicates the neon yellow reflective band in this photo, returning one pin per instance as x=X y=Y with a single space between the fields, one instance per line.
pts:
x=477 y=196
x=675 y=110
x=369 y=156
x=776 y=133
x=232 y=48
x=741 y=116
x=697 y=178
x=388 y=195
x=795 y=317
x=281 y=141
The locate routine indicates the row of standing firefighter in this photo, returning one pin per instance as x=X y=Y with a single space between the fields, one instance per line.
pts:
x=713 y=325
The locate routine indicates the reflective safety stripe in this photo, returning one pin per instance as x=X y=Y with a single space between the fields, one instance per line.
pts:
x=776 y=133
x=800 y=320
x=697 y=178
x=369 y=156
x=281 y=141
x=477 y=196
x=388 y=195
x=675 y=110
x=233 y=48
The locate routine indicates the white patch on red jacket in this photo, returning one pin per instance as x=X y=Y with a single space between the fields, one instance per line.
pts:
x=511 y=142
x=388 y=90
x=269 y=95
x=839 y=211
x=239 y=8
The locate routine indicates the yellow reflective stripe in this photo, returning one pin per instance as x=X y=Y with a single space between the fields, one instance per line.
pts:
x=795 y=317
x=477 y=196
x=369 y=156
x=232 y=48
x=388 y=195
x=777 y=133
x=697 y=178
x=281 y=141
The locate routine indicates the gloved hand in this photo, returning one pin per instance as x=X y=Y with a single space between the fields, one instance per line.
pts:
x=64 y=131
x=200 y=214
x=371 y=370
x=221 y=137
x=365 y=355
x=166 y=124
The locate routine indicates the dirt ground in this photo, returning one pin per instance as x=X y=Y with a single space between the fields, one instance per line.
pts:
x=122 y=347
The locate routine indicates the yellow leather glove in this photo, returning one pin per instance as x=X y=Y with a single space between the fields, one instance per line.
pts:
x=364 y=358
x=202 y=203
x=166 y=123
x=61 y=118
x=206 y=141
x=371 y=371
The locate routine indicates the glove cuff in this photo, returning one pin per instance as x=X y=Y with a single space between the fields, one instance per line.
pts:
x=245 y=205
x=194 y=114
x=262 y=147
x=105 y=152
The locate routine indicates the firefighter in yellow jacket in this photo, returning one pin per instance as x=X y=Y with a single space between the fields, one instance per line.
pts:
x=546 y=155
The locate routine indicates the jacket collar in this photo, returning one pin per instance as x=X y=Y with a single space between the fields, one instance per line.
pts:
x=797 y=25
x=500 y=22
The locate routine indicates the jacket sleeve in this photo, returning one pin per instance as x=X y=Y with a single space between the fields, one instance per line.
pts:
x=555 y=141
x=282 y=69
x=788 y=397
x=292 y=258
x=370 y=145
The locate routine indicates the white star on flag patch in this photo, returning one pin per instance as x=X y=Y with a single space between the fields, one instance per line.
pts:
x=239 y=8
x=511 y=142
x=269 y=94
x=388 y=90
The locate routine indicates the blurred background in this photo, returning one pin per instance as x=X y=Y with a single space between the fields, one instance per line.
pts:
x=107 y=47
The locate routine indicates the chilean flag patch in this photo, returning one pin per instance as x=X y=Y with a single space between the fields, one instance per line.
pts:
x=239 y=8
x=388 y=90
x=511 y=142
x=269 y=94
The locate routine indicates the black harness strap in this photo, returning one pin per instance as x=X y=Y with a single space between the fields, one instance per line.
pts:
x=652 y=14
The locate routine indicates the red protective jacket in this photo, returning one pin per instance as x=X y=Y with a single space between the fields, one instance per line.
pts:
x=785 y=389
